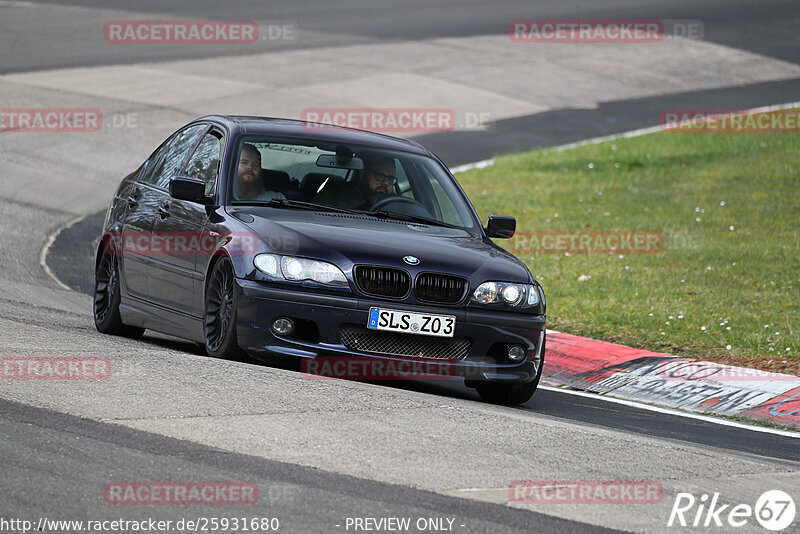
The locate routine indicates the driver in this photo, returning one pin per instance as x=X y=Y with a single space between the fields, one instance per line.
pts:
x=371 y=185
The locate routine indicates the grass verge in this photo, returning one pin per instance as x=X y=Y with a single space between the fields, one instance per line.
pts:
x=726 y=285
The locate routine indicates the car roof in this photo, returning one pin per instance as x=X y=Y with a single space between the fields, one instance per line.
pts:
x=309 y=130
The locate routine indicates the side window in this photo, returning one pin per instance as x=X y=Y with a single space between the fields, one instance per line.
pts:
x=165 y=162
x=204 y=164
x=403 y=185
x=449 y=212
x=442 y=193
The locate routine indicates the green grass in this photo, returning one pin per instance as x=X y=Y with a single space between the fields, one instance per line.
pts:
x=691 y=187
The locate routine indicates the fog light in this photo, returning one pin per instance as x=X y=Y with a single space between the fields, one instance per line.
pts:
x=283 y=326
x=516 y=353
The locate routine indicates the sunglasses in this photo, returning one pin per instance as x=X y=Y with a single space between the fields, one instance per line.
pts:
x=391 y=180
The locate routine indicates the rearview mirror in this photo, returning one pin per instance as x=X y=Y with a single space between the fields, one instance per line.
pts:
x=332 y=161
x=501 y=226
x=344 y=159
x=185 y=188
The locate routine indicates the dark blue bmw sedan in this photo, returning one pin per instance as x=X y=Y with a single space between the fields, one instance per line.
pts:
x=303 y=240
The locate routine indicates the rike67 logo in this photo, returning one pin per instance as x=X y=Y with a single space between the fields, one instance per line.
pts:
x=774 y=510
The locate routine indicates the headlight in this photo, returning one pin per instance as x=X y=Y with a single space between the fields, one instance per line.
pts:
x=486 y=293
x=533 y=296
x=267 y=263
x=513 y=295
x=298 y=269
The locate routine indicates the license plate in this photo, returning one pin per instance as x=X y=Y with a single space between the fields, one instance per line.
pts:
x=411 y=323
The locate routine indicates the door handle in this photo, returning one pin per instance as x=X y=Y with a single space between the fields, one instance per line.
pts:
x=163 y=211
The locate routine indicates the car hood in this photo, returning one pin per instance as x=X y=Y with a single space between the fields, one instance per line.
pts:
x=348 y=240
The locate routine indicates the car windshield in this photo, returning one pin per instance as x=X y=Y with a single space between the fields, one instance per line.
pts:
x=386 y=183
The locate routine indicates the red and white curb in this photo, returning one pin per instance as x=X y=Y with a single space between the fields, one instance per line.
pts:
x=608 y=369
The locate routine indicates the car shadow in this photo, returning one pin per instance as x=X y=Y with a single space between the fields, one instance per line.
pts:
x=454 y=389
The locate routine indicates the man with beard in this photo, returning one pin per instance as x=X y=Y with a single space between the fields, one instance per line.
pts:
x=249 y=185
x=372 y=184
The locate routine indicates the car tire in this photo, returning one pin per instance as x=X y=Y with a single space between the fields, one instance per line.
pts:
x=219 y=318
x=505 y=394
x=107 y=319
x=510 y=395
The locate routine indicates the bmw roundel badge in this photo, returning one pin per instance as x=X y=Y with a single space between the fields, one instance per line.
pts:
x=411 y=260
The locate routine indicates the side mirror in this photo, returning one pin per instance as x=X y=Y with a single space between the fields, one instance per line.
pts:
x=501 y=226
x=184 y=188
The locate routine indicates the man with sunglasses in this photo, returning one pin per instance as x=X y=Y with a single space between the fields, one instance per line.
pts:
x=372 y=184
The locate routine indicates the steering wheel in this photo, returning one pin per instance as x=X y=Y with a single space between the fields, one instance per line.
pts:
x=397 y=199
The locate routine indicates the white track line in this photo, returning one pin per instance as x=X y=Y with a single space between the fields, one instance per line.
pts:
x=625 y=135
x=46 y=248
x=678 y=413
x=469 y=166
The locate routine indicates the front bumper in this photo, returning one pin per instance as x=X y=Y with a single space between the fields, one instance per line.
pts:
x=259 y=304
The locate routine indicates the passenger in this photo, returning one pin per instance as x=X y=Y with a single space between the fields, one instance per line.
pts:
x=371 y=185
x=249 y=184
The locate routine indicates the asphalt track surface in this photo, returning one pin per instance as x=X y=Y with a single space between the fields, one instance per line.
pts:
x=58 y=448
x=766 y=27
x=303 y=499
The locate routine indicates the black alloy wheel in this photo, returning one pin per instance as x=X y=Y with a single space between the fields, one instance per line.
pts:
x=107 y=297
x=219 y=324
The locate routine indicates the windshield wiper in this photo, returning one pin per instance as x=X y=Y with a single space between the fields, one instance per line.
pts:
x=286 y=203
x=410 y=218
